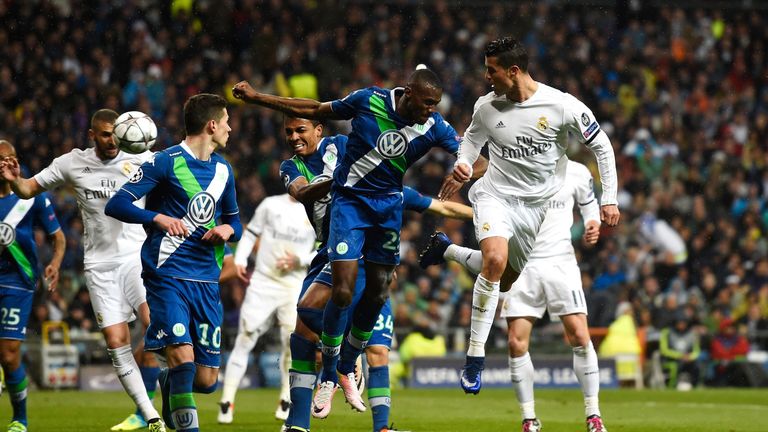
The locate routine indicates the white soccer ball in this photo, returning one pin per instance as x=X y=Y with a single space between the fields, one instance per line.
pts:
x=134 y=132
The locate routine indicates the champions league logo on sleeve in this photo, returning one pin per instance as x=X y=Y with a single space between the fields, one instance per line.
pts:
x=392 y=144
x=201 y=208
x=7 y=234
x=137 y=176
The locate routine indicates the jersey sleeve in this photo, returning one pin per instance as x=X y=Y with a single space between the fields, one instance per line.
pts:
x=229 y=198
x=584 y=194
x=413 y=200
x=348 y=107
x=148 y=175
x=259 y=219
x=475 y=138
x=446 y=137
x=289 y=172
x=45 y=215
x=579 y=119
x=54 y=174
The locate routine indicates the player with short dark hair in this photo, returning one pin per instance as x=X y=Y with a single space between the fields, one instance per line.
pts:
x=189 y=188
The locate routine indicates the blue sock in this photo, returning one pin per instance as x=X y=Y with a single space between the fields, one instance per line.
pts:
x=334 y=322
x=379 y=396
x=183 y=407
x=312 y=318
x=149 y=376
x=302 y=378
x=363 y=320
x=16 y=382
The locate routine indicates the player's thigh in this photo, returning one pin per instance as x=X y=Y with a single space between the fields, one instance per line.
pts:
x=15 y=308
x=382 y=241
x=527 y=297
x=260 y=304
x=346 y=236
x=490 y=215
x=562 y=284
x=205 y=325
x=170 y=314
x=107 y=296
x=129 y=274
x=286 y=312
x=526 y=222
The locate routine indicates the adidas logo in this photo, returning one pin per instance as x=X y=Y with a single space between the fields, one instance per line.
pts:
x=500 y=125
x=87 y=170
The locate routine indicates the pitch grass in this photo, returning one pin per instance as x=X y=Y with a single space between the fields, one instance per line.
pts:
x=444 y=410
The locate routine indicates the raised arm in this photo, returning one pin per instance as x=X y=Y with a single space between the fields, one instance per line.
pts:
x=307 y=193
x=25 y=188
x=296 y=107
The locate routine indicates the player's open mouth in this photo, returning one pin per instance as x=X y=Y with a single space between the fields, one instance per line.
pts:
x=298 y=146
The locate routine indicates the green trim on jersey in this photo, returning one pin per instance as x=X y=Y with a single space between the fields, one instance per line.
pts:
x=192 y=187
x=21 y=259
x=385 y=123
x=302 y=167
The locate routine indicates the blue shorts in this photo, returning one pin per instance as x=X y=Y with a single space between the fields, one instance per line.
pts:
x=184 y=312
x=382 y=332
x=15 y=307
x=366 y=227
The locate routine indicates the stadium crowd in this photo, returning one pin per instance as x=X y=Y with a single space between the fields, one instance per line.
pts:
x=682 y=94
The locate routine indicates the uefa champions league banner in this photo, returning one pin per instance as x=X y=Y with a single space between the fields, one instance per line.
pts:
x=551 y=372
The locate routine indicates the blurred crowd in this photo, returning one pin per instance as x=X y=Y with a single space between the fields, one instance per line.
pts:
x=682 y=93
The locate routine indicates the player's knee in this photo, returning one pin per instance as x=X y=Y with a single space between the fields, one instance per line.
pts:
x=205 y=383
x=517 y=345
x=494 y=264
x=342 y=295
x=578 y=337
x=9 y=355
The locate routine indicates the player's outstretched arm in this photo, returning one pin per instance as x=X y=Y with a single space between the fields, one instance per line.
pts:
x=52 y=270
x=450 y=209
x=23 y=187
x=307 y=193
x=296 y=107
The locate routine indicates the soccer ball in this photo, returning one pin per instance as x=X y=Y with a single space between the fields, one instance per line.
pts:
x=134 y=132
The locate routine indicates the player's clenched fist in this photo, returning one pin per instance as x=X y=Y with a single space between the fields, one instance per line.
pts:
x=172 y=226
x=243 y=91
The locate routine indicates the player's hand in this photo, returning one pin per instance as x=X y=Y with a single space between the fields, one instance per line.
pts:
x=591 y=231
x=287 y=263
x=242 y=274
x=218 y=234
x=244 y=91
x=462 y=173
x=52 y=277
x=449 y=187
x=610 y=214
x=172 y=226
x=10 y=169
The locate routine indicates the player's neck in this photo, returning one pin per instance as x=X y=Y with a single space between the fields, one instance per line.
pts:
x=200 y=147
x=5 y=188
x=524 y=90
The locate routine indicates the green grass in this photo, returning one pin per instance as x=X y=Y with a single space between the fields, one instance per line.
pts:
x=436 y=410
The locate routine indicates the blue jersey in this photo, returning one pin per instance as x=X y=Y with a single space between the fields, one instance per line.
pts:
x=318 y=166
x=413 y=200
x=179 y=185
x=382 y=144
x=18 y=265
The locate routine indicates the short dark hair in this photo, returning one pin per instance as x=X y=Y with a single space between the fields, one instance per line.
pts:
x=104 y=115
x=200 y=109
x=426 y=78
x=314 y=122
x=509 y=52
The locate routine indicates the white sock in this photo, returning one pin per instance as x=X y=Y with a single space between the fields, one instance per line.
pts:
x=485 y=297
x=471 y=259
x=236 y=366
x=521 y=371
x=587 y=371
x=128 y=373
x=285 y=363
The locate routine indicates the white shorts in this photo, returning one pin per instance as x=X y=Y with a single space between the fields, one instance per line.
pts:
x=508 y=218
x=549 y=284
x=262 y=301
x=116 y=290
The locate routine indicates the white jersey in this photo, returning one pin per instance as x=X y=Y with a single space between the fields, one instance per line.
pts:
x=282 y=226
x=527 y=143
x=106 y=240
x=554 y=237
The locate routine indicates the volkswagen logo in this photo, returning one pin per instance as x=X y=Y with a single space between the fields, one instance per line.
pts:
x=322 y=177
x=201 y=208
x=392 y=144
x=7 y=234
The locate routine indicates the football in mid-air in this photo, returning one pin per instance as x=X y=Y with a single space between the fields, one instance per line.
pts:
x=134 y=132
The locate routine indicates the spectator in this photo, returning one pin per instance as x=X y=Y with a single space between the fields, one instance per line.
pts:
x=728 y=351
x=680 y=350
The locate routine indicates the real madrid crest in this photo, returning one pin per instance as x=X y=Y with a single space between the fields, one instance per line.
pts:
x=128 y=168
x=543 y=124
